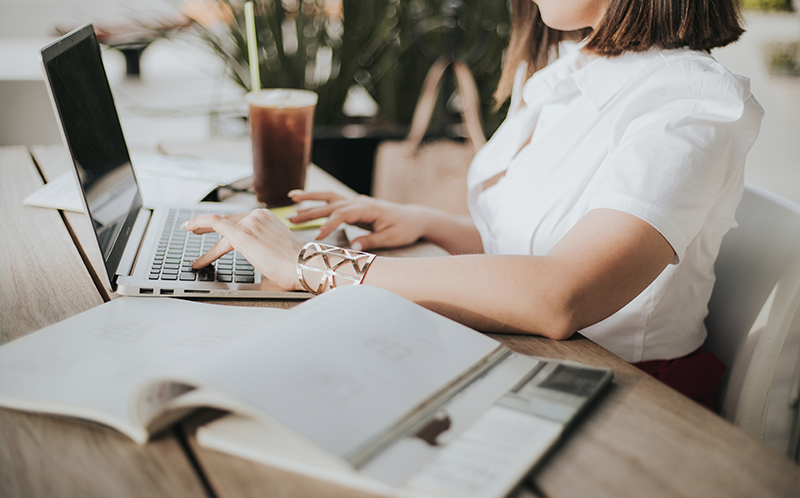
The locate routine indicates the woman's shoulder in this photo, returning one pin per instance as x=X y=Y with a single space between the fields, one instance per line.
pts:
x=692 y=74
x=685 y=88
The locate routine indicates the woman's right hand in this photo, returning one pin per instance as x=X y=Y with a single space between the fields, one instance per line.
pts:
x=392 y=225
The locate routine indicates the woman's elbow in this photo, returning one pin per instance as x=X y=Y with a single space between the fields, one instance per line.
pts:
x=560 y=315
x=559 y=332
x=558 y=326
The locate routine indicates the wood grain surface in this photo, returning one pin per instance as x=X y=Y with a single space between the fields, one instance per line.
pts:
x=37 y=255
x=44 y=281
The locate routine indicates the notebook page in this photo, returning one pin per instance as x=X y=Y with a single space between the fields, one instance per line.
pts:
x=90 y=365
x=353 y=362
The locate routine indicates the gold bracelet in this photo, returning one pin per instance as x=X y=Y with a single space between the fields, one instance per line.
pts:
x=338 y=266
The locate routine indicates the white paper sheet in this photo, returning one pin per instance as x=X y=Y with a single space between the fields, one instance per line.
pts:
x=163 y=180
x=490 y=456
x=61 y=193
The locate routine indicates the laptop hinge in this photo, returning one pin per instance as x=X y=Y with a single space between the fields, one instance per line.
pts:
x=131 y=250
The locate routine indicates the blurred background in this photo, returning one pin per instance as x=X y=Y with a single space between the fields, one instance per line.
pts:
x=366 y=59
x=179 y=68
x=178 y=72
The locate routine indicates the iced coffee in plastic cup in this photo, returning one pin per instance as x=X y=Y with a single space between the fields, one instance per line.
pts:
x=281 y=125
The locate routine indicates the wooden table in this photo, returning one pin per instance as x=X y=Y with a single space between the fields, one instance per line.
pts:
x=641 y=440
x=45 y=280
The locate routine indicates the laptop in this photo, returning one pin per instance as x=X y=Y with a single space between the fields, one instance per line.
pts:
x=145 y=251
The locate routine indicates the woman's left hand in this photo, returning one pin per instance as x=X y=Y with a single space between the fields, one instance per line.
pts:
x=259 y=236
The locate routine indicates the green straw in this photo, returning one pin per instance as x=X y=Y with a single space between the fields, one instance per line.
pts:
x=252 y=49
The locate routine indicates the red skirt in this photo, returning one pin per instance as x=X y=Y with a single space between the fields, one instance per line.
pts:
x=695 y=375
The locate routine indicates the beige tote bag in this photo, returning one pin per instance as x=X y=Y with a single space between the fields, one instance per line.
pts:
x=432 y=173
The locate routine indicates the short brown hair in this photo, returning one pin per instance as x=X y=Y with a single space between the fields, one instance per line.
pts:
x=627 y=26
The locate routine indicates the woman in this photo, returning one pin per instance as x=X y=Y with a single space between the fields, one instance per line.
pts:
x=598 y=206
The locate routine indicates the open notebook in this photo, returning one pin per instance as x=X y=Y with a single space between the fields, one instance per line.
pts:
x=357 y=386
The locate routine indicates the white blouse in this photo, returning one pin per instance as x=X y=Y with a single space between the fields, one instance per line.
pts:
x=662 y=135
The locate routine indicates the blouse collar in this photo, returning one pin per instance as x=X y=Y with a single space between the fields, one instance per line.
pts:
x=598 y=78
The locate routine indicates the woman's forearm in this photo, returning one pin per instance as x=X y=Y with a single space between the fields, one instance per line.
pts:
x=488 y=293
x=604 y=262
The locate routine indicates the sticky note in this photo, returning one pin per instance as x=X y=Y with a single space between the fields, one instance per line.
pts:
x=283 y=213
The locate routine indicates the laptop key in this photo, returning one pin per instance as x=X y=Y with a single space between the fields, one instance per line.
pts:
x=244 y=280
x=188 y=275
x=169 y=277
x=224 y=278
x=206 y=276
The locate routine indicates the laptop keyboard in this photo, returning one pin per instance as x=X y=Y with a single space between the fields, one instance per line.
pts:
x=177 y=248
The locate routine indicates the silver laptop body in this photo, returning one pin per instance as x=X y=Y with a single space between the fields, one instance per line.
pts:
x=138 y=259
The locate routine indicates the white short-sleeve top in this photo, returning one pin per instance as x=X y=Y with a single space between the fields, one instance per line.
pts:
x=662 y=135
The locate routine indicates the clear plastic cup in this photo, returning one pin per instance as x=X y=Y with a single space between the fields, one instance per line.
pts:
x=281 y=129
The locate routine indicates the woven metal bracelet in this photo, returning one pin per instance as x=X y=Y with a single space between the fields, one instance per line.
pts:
x=333 y=266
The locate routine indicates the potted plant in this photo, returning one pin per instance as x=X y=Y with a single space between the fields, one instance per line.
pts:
x=382 y=48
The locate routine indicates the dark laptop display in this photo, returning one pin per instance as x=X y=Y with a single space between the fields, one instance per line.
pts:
x=77 y=78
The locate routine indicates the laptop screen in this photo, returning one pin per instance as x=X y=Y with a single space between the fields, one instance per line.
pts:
x=85 y=106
